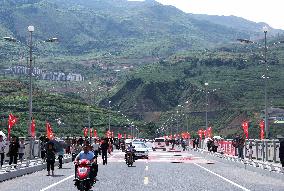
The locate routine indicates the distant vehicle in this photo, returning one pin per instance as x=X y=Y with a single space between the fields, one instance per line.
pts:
x=141 y=150
x=159 y=143
x=127 y=141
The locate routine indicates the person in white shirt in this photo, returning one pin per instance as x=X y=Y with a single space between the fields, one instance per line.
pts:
x=2 y=150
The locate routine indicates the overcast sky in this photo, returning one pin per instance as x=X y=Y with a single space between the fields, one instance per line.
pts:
x=271 y=11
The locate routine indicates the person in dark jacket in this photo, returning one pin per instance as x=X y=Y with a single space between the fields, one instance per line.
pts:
x=50 y=157
x=13 y=150
x=104 y=149
x=281 y=151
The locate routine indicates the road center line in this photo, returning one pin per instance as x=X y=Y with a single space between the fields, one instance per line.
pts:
x=52 y=185
x=146 y=180
x=235 y=184
x=147 y=168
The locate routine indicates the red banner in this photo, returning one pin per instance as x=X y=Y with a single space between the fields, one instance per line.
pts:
x=124 y=135
x=262 y=125
x=95 y=133
x=86 y=132
x=245 y=128
x=11 y=122
x=227 y=147
x=33 y=126
x=200 y=132
x=49 y=132
x=91 y=132
x=119 y=136
x=205 y=133
x=209 y=132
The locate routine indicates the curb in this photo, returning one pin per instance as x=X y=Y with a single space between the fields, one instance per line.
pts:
x=28 y=170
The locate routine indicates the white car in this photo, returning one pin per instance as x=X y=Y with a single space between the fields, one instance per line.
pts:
x=141 y=150
x=159 y=143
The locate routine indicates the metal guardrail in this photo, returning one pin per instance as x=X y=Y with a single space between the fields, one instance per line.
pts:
x=9 y=171
x=264 y=150
x=263 y=165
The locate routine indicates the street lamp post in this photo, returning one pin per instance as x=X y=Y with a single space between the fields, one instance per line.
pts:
x=31 y=30
x=267 y=135
x=89 y=117
x=206 y=102
x=109 y=115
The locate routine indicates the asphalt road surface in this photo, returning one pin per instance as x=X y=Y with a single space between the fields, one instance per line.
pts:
x=163 y=171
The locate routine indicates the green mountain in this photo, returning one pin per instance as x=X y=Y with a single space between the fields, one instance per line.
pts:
x=170 y=55
x=121 y=27
x=70 y=110
x=235 y=90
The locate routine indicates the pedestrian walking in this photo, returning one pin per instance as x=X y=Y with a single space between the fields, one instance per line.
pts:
x=250 y=152
x=2 y=151
x=68 y=143
x=43 y=141
x=215 y=145
x=13 y=151
x=197 y=142
x=21 y=149
x=209 y=144
x=238 y=143
x=281 y=150
x=104 y=149
x=60 y=157
x=50 y=157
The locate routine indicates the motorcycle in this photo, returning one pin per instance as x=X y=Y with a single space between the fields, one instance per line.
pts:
x=129 y=158
x=82 y=179
x=122 y=146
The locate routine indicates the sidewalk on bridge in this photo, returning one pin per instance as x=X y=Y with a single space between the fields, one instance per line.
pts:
x=8 y=171
x=271 y=166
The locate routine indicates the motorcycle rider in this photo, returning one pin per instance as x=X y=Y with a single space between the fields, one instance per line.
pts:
x=87 y=154
x=130 y=150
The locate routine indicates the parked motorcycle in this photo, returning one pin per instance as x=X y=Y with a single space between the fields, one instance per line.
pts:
x=83 y=181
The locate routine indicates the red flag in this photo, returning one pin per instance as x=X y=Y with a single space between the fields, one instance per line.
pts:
x=188 y=135
x=85 y=132
x=205 y=133
x=95 y=133
x=91 y=132
x=262 y=125
x=200 y=132
x=11 y=121
x=124 y=135
x=119 y=136
x=49 y=132
x=209 y=132
x=245 y=128
x=33 y=126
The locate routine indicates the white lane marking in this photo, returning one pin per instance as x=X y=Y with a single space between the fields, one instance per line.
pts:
x=146 y=180
x=235 y=184
x=52 y=185
x=147 y=168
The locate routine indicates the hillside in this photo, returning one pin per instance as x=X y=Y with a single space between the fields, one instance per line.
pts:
x=49 y=106
x=236 y=89
x=120 y=27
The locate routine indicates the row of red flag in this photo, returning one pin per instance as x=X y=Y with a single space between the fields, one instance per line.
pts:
x=184 y=135
x=90 y=132
x=207 y=133
x=13 y=120
x=245 y=126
